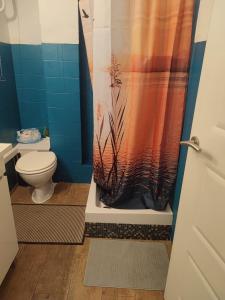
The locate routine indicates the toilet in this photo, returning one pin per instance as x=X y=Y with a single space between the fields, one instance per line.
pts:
x=36 y=167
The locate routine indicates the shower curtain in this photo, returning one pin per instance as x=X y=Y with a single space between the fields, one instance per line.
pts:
x=139 y=63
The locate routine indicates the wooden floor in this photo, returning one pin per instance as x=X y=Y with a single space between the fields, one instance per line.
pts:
x=65 y=193
x=56 y=272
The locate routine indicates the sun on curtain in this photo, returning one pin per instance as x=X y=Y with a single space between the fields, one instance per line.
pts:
x=140 y=62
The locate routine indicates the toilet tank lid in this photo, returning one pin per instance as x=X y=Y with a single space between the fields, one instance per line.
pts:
x=42 y=145
x=35 y=161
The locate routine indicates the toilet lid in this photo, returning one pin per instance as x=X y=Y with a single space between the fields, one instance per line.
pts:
x=35 y=161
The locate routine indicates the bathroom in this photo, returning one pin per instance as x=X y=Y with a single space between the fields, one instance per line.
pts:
x=109 y=96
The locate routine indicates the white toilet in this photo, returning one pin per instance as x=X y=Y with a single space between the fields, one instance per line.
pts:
x=36 y=167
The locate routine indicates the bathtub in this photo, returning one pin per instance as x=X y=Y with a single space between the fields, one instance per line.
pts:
x=96 y=213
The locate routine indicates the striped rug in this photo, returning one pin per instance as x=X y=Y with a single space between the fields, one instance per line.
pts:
x=56 y=224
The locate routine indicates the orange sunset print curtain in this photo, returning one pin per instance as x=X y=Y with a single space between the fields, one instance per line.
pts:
x=140 y=61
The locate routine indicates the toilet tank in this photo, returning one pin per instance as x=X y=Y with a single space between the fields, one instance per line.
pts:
x=42 y=145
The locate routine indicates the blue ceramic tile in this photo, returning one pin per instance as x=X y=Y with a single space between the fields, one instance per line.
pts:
x=48 y=90
x=70 y=69
x=32 y=52
x=65 y=143
x=66 y=155
x=61 y=174
x=82 y=173
x=35 y=95
x=72 y=85
x=63 y=101
x=20 y=94
x=33 y=114
x=63 y=117
x=17 y=66
x=31 y=67
x=16 y=52
x=70 y=52
x=9 y=112
x=33 y=82
x=60 y=51
x=74 y=172
x=68 y=128
x=76 y=97
x=49 y=51
x=57 y=115
x=55 y=85
x=19 y=81
x=68 y=169
x=53 y=68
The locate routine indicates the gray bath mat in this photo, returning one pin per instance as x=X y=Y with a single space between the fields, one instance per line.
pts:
x=59 y=224
x=127 y=264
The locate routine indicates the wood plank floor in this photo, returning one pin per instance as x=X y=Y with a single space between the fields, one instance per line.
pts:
x=65 y=193
x=56 y=272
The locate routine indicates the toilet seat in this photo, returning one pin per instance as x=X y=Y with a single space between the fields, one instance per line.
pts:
x=36 y=162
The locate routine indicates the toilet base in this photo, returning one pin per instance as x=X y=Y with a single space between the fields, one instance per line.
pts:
x=43 y=193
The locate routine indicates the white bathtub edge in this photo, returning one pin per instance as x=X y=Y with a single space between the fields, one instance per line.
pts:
x=95 y=214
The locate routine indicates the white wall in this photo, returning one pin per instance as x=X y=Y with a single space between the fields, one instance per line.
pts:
x=56 y=21
x=203 y=22
x=23 y=23
x=4 y=34
x=59 y=21
x=46 y=21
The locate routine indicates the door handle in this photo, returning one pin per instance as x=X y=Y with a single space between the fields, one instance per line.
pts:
x=193 y=143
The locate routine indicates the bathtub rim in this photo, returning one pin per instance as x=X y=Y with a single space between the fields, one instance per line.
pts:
x=97 y=214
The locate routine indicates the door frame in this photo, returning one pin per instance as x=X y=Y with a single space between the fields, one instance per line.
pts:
x=196 y=61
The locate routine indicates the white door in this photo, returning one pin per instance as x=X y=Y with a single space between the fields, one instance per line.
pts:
x=197 y=266
x=8 y=239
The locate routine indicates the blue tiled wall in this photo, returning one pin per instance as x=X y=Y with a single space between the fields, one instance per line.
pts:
x=48 y=87
x=30 y=84
x=9 y=114
x=61 y=65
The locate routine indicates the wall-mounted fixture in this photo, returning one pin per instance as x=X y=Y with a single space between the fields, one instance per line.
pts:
x=2 y=6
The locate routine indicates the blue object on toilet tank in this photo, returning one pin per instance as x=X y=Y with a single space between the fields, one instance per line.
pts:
x=28 y=136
